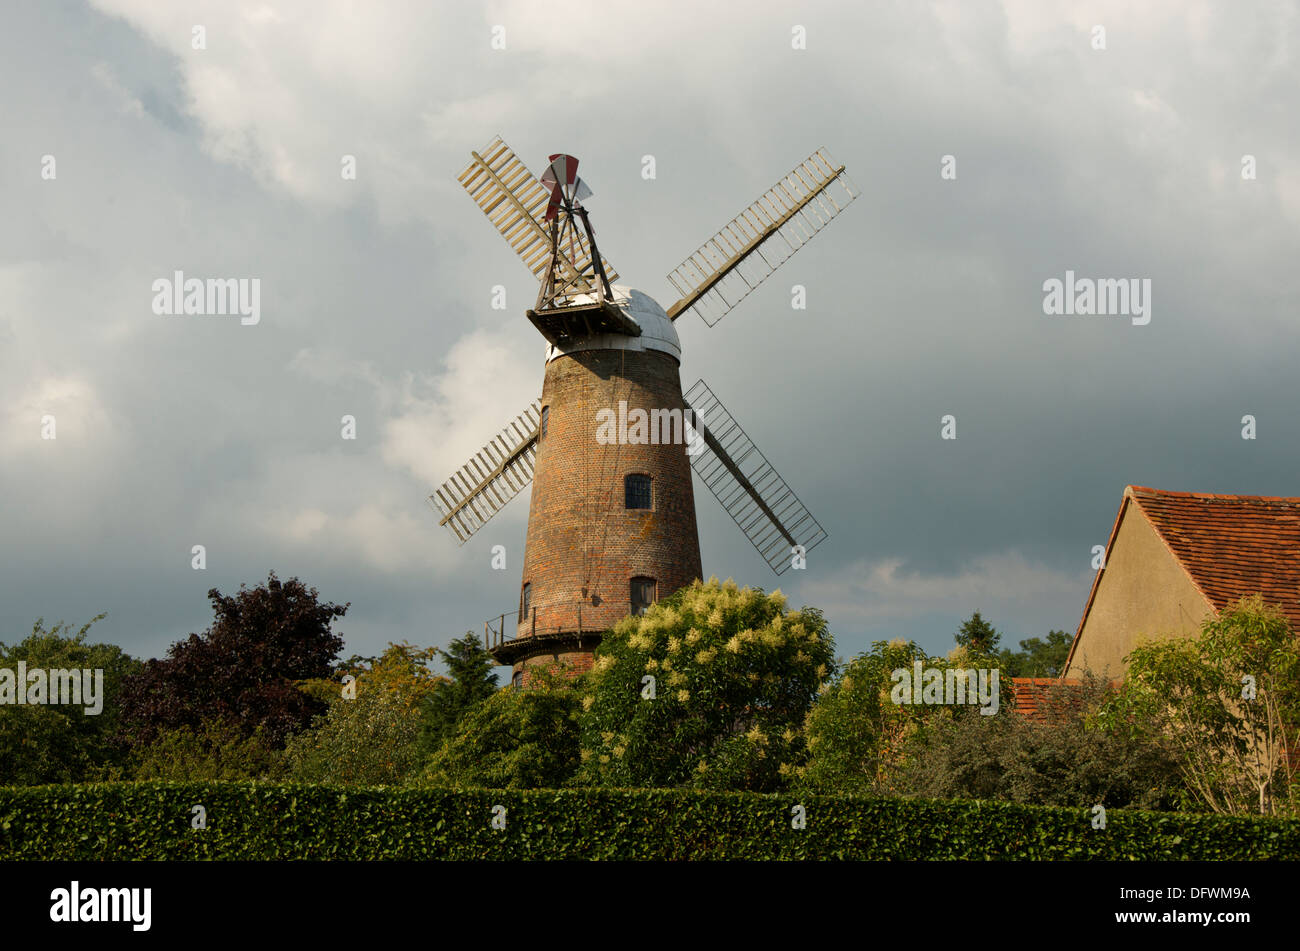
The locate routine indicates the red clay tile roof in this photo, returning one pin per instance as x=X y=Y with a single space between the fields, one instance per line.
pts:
x=1036 y=698
x=1030 y=693
x=1231 y=545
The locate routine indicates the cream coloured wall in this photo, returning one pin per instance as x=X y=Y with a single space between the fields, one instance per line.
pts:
x=1143 y=591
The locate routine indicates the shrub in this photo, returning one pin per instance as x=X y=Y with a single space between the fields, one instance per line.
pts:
x=52 y=743
x=708 y=688
x=859 y=737
x=249 y=821
x=372 y=738
x=516 y=739
x=215 y=750
x=1065 y=759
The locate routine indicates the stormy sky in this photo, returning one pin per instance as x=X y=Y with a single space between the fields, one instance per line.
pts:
x=925 y=298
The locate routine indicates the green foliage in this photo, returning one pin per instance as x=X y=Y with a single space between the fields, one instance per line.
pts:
x=472 y=681
x=215 y=750
x=977 y=635
x=1228 y=700
x=516 y=739
x=734 y=676
x=859 y=732
x=372 y=739
x=1038 y=657
x=855 y=732
x=249 y=821
x=54 y=743
x=1061 y=760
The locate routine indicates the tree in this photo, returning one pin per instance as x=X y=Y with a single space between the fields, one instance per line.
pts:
x=1229 y=702
x=58 y=743
x=708 y=688
x=859 y=731
x=472 y=681
x=1039 y=658
x=977 y=635
x=515 y=739
x=370 y=736
x=855 y=731
x=242 y=669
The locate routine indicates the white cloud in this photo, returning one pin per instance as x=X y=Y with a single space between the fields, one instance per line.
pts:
x=83 y=427
x=872 y=592
x=440 y=421
x=386 y=537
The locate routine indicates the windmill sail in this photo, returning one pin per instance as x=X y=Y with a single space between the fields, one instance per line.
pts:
x=744 y=482
x=516 y=203
x=493 y=477
x=760 y=239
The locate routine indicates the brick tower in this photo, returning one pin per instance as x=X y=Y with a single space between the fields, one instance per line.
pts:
x=611 y=525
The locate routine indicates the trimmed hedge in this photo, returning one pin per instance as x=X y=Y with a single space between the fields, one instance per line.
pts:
x=149 y=821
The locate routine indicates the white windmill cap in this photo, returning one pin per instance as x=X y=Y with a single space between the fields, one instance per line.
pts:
x=657 y=331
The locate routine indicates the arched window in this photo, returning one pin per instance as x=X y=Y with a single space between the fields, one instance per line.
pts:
x=638 y=491
x=643 y=594
x=546 y=417
x=517 y=681
x=525 y=602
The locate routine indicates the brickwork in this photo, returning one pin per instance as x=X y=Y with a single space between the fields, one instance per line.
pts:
x=573 y=662
x=583 y=545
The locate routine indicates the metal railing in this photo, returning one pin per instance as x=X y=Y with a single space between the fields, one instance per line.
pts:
x=552 y=619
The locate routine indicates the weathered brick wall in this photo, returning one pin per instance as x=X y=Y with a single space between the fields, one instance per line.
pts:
x=571 y=663
x=580 y=535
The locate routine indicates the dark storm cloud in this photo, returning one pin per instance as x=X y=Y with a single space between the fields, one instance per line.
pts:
x=925 y=298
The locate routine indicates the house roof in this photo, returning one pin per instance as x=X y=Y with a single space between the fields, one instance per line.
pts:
x=1041 y=698
x=1230 y=546
x=1030 y=694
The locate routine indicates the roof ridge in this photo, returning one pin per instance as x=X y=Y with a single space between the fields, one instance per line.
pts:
x=1139 y=491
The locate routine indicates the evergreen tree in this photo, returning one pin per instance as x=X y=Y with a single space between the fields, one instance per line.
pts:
x=469 y=665
x=978 y=635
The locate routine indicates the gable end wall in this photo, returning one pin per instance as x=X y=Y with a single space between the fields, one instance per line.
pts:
x=1143 y=591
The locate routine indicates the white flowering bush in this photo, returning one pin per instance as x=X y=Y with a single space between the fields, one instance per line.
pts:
x=734 y=674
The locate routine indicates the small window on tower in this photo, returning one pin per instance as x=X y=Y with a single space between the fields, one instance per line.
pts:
x=638 y=492
x=546 y=415
x=643 y=594
x=525 y=602
x=517 y=681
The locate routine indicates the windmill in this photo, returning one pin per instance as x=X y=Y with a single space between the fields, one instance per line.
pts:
x=611 y=443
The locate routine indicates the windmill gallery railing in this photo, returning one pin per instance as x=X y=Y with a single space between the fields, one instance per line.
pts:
x=537 y=621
